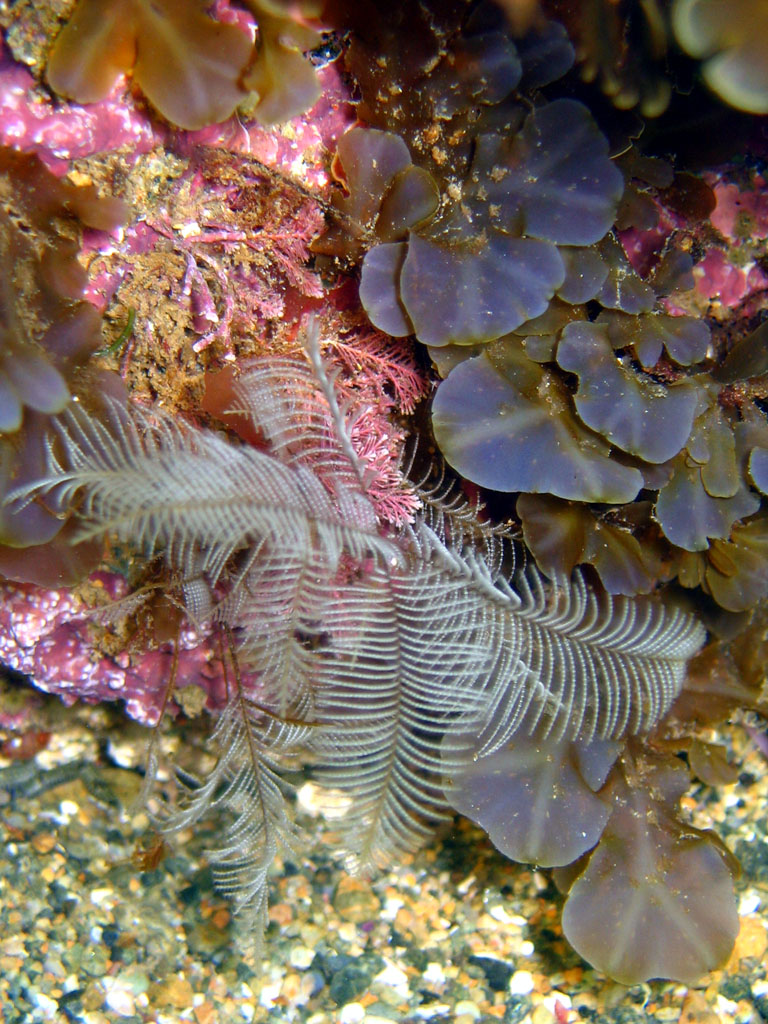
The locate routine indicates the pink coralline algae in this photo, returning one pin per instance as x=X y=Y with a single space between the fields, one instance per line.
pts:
x=741 y=215
x=643 y=246
x=726 y=283
x=265 y=265
x=729 y=275
x=60 y=132
x=734 y=275
x=47 y=635
x=297 y=148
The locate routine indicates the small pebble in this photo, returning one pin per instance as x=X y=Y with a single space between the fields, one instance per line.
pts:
x=352 y=1013
x=541 y=1015
x=395 y=979
x=120 y=1001
x=557 y=997
x=301 y=957
x=498 y=913
x=467 y=1009
x=44 y=842
x=521 y=983
x=749 y=903
x=434 y=975
x=175 y=993
x=47 y=1006
x=354 y=901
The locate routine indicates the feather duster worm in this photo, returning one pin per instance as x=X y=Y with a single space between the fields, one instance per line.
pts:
x=396 y=660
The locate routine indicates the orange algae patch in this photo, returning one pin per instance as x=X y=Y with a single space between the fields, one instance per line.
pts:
x=193 y=69
x=284 y=83
x=187 y=64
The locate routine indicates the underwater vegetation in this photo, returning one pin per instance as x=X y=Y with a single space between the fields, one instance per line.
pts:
x=569 y=372
x=533 y=663
x=336 y=620
x=731 y=40
x=624 y=47
x=47 y=332
x=573 y=379
x=629 y=48
x=194 y=70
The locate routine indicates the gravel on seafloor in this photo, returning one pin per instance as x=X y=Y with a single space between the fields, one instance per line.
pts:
x=100 y=923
